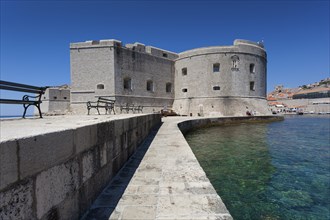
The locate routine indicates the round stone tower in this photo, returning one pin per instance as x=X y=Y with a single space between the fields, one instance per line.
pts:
x=222 y=80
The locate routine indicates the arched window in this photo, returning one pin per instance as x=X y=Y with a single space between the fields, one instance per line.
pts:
x=168 y=87
x=127 y=83
x=150 y=86
x=100 y=86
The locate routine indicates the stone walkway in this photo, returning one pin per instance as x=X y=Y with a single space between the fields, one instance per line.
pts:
x=163 y=180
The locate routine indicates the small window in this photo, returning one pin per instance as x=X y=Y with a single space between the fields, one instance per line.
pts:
x=252 y=86
x=184 y=71
x=150 y=86
x=55 y=97
x=164 y=54
x=252 y=68
x=128 y=83
x=64 y=98
x=216 y=87
x=100 y=86
x=168 y=87
x=216 y=67
x=184 y=90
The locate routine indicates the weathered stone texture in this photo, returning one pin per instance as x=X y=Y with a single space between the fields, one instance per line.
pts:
x=55 y=184
x=17 y=203
x=84 y=138
x=8 y=163
x=42 y=152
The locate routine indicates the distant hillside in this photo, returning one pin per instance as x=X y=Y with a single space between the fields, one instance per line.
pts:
x=288 y=93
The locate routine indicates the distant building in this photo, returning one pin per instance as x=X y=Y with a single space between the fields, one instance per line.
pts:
x=219 y=80
x=56 y=100
x=314 y=93
x=314 y=100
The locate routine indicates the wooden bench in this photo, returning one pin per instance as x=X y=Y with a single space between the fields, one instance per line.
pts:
x=127 y=108
x=107 y=104
x=27 y=100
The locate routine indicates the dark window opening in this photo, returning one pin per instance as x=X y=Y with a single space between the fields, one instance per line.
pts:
x=216 y=87
x=252 y=86
x=168 y=87
x=216 y=67
x=64 y=98
x=150 y=86
x=100 y=86
x=184 y=90
x=184 y=71
x=252 y=68
x=164 y=54
x=55 y=97
x=128 y=83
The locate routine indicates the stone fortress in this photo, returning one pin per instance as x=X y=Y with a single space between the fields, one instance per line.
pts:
x=219 y=80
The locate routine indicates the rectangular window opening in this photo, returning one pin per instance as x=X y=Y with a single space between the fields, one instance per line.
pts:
x=216 y=67
x=150 y=86
x=184 y=71
x=168 y=87
x=184 y=90
x=252 y=68
x=252 y=86
x=128 y=84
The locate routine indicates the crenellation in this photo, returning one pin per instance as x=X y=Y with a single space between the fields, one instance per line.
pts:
x=96 y=43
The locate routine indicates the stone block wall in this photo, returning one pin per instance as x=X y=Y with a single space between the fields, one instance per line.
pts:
x=188 y=125
x=58 y=175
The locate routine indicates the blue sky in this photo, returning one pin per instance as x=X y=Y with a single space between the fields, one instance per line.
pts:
x=35 y=35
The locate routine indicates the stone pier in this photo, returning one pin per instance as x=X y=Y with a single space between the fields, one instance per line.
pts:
x=55 y=168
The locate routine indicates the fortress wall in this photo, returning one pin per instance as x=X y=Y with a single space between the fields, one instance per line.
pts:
x=58 y=175
x=112 y=65
x=141 y=67
x=55 y=100
x=189 y=125
x=92 y=64
x=221 y=106
x=198 y=84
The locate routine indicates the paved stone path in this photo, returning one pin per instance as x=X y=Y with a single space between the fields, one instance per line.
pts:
x=163 y=180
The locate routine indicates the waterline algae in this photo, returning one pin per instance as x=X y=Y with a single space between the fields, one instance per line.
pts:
x=277 y=170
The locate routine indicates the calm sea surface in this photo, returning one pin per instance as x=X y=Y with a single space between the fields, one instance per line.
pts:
x=278 y=170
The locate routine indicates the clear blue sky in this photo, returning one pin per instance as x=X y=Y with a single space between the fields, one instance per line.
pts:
x=35 y=35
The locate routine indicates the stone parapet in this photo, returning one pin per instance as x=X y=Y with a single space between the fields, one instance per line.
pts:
x=58 y=174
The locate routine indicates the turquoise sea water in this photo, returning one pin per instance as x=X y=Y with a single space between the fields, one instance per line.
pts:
x=278 y=170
